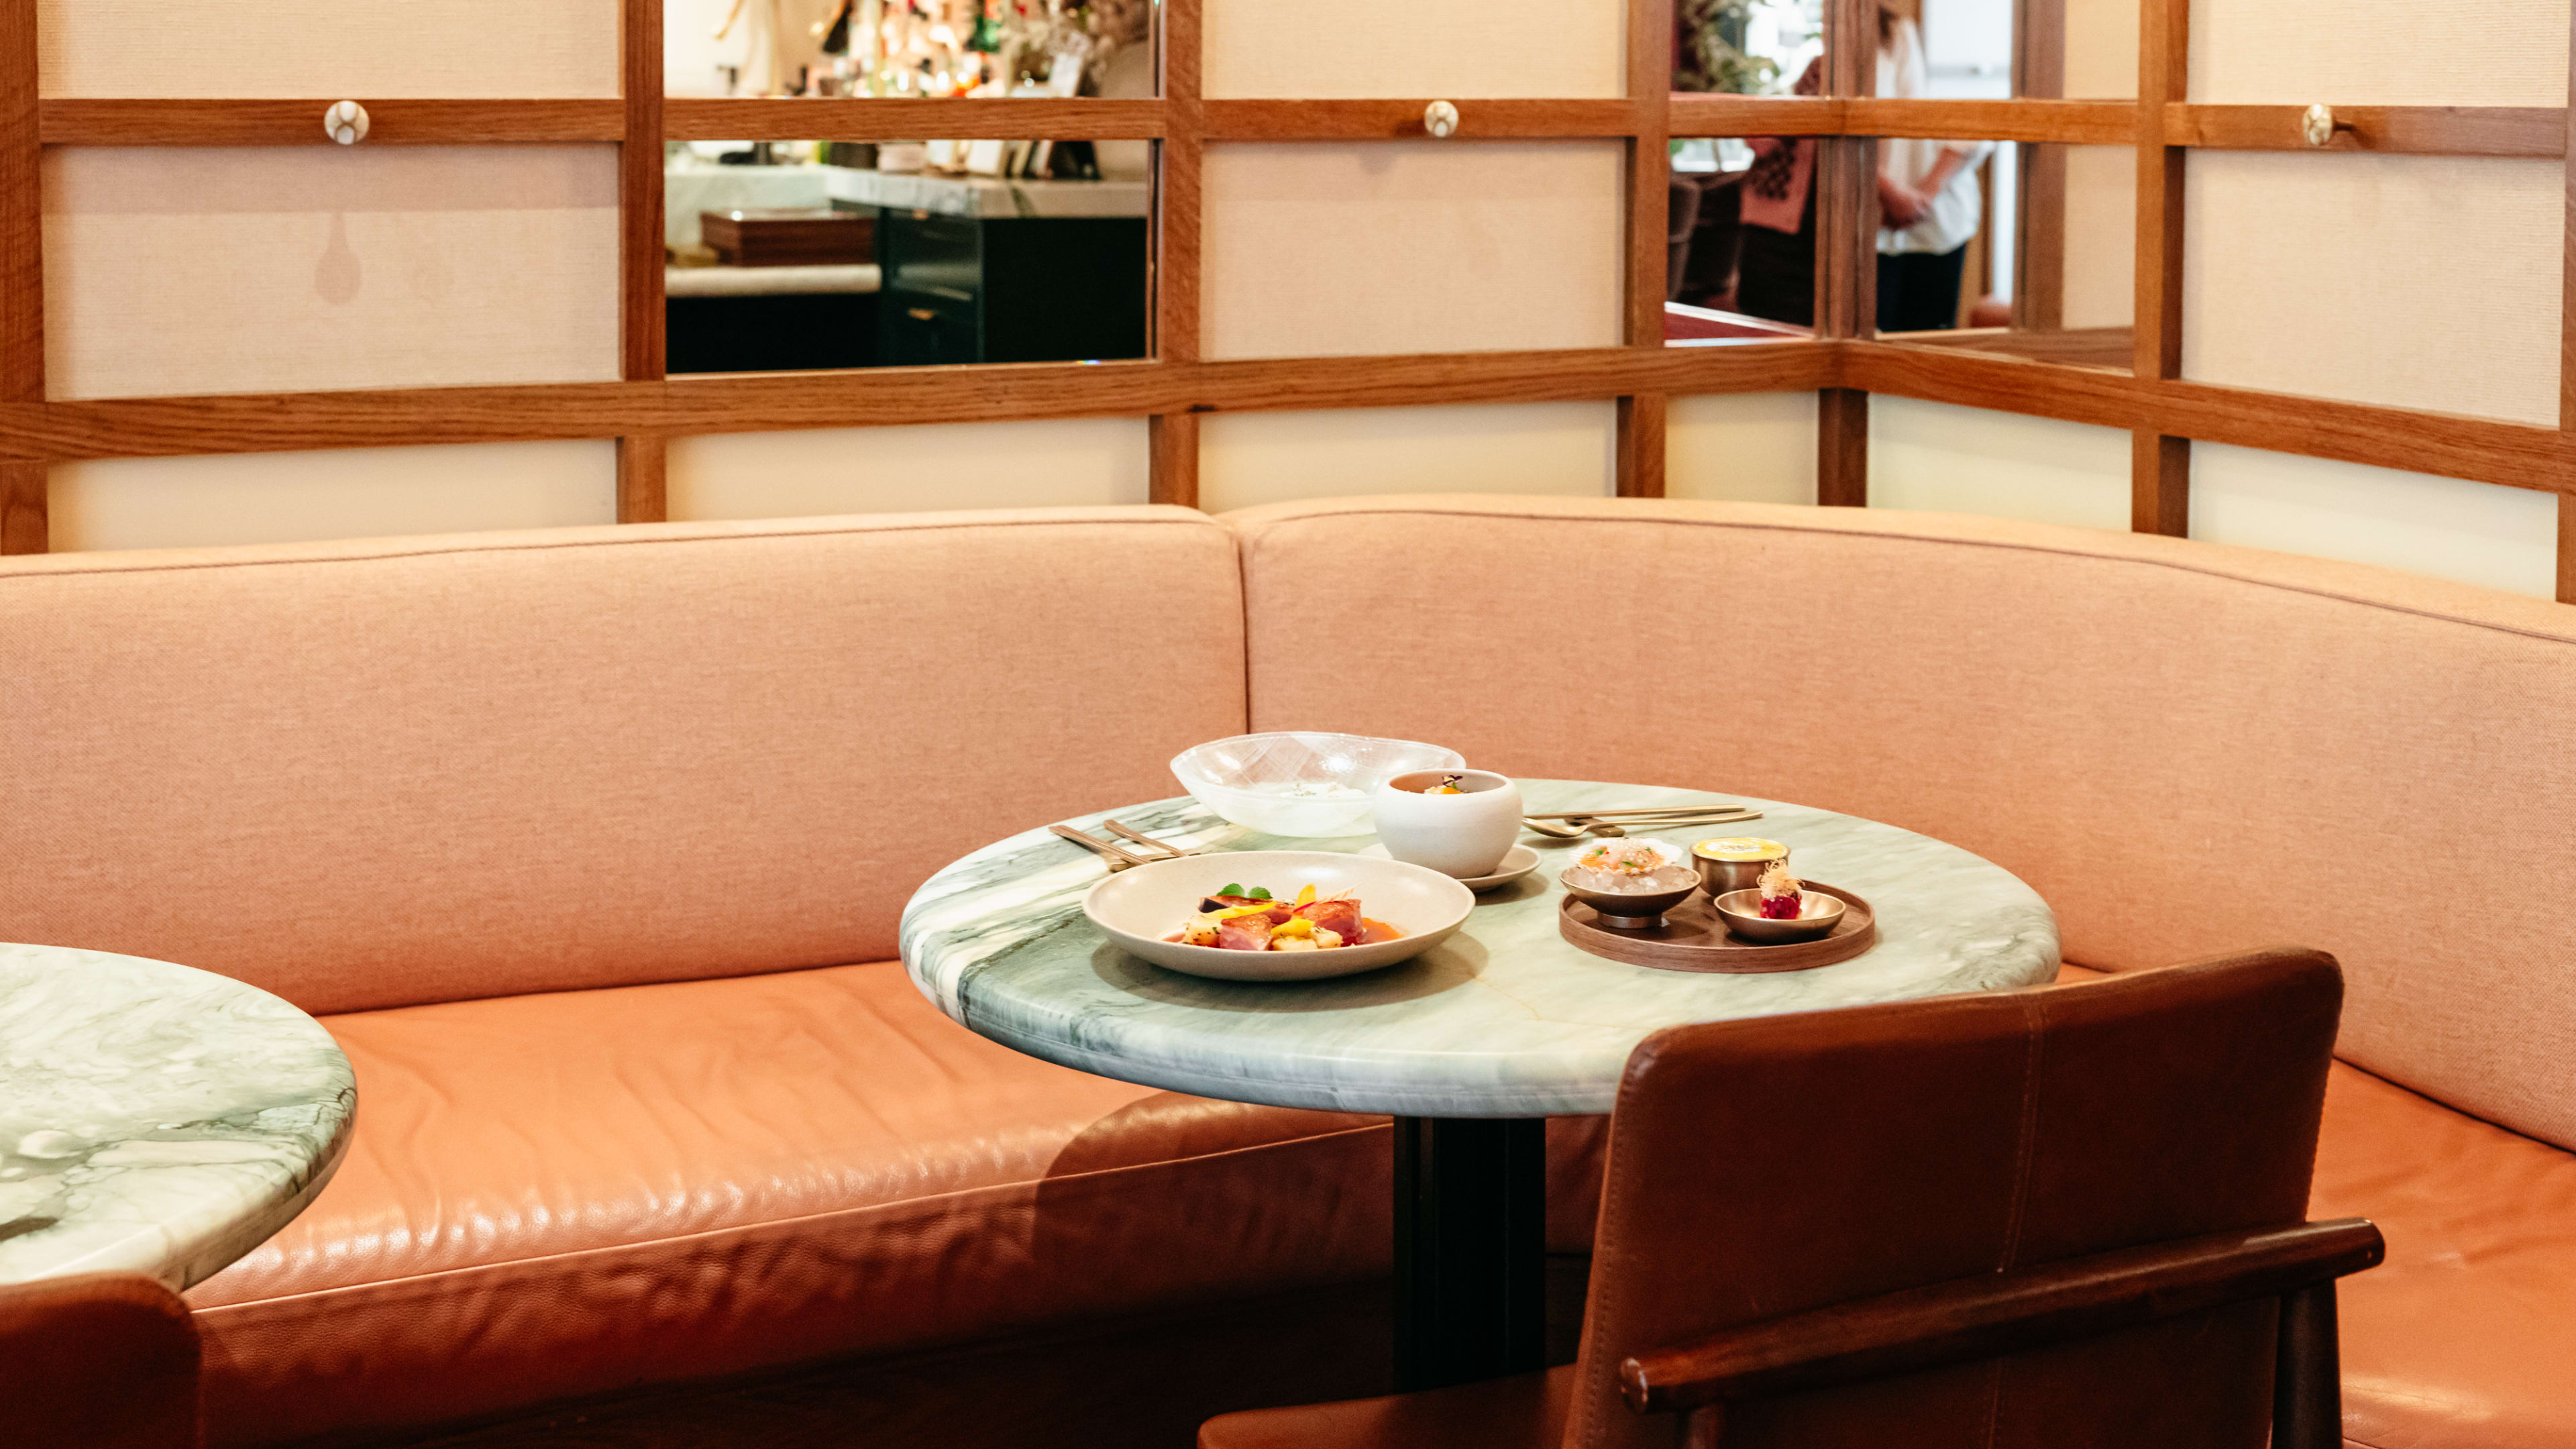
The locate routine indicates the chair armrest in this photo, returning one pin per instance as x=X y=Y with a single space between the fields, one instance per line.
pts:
x=1996 y=1313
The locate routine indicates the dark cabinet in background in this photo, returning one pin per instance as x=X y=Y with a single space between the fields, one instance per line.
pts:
x=1009 y=289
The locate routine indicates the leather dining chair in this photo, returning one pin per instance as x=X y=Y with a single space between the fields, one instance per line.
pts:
x=98 y=1361
x=2070 y=1215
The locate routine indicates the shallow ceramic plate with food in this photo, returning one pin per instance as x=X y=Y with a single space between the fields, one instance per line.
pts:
x=1144 y=908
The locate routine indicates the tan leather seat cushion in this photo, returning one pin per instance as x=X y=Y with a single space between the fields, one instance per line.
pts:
x=2466 y=1337
x=564 y=1194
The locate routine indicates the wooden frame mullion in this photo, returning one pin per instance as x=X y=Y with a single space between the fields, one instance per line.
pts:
x=1846 y=292
x=643 y=490
x=1642 y=416
x=2159 y=462
x=1172 y=433
x=23 y=507
x=2567 y=337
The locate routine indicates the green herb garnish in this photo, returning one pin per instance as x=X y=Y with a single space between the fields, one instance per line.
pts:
x=1261 y=893
x=1232 y=888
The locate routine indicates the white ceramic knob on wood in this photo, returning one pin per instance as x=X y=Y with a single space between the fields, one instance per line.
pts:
x=1440 y=118
x=2317 y=124
x=345 y=122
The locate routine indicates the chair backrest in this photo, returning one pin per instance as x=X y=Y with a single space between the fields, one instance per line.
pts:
x=102 y=1361
x=1761 y=1168
x=388 y=772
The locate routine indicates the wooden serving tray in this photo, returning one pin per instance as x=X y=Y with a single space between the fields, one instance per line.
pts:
x=1694 y=938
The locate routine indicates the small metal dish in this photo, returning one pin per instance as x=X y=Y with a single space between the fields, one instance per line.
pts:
x=1818 y=914
x=1629 y=910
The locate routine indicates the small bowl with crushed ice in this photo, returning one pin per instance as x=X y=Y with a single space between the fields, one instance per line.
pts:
x=1630 y=883
x=1304 y=784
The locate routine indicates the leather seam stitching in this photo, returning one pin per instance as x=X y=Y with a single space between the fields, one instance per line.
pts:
x=2111 y=558
x=766 y=1223
x=2034 y=1024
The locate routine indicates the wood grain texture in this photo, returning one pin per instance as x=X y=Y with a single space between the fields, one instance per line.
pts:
x=2081 y=123
x=394 y=417
x=1172 y=459
x=643 y=324
x=2405 y=130
x=1642 y=444
x=1842 y=448
x=2159 y=484
x=873 y=118
x=1401 y=120
x=1993 y=1314
x=25 y=526
x=2567 y=548
x=183 y=122
x=1179 y=188
x=1694 y=113
x=2164 y=50
x=643 y=479
x=22 y=222
x=2484 y=450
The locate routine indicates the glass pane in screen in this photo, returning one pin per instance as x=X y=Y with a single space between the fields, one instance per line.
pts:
x=2022 y=249
x=1748 y=47
x=1742 y=263
x=805 y=255
x=912 y=48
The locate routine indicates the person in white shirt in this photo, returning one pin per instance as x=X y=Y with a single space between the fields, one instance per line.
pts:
x=1928 y=199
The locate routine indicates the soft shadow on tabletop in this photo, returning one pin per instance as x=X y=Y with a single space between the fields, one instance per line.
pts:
x=1452 y=963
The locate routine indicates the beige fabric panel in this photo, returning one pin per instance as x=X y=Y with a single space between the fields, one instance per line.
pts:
x=1750 y=447
x=1319 y=49
x=2379 y=53
x=1428 y=246
x=1252 y=458
x=361 y=48
x=1934 y=456
x=2186 y=749
x=2102 y=50
x=2476 y=533
x=260 y=270
x=238 y=498
x=2426 y=282
x=903 y=470
x=2101 y=274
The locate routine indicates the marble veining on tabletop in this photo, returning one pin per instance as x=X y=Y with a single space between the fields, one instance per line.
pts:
x=1504 y=1019
x=154 y=1118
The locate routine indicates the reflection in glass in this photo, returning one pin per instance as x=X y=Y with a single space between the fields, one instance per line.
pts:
x=1743 y=260
x=835 y=255
x=1745 y=47
x=2048 y=270
x=908 y=47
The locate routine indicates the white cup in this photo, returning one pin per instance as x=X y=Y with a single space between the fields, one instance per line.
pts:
x=1463 y=835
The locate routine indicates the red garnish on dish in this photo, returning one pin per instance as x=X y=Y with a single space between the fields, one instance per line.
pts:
x=1781 y=898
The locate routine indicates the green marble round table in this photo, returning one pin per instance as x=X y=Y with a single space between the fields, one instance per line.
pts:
x=1470 y=1046
x=154 y=1118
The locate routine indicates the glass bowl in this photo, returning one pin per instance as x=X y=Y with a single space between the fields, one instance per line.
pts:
x=1303 y=784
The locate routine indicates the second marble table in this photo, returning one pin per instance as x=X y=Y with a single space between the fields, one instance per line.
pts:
x=1470 y=1046
x=154 y=1118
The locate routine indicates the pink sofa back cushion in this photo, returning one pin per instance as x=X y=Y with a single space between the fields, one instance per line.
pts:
x=2187 y=749
x=376 y=774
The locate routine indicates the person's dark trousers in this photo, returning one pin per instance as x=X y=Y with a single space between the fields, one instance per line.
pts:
x=1919 y=291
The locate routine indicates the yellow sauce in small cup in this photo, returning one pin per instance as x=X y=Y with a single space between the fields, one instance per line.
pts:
x=1741 y=848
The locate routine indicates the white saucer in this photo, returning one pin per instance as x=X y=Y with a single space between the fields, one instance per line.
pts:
x=1519 y=861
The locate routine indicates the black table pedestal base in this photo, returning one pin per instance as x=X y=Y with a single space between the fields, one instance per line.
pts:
x=1470 y=1249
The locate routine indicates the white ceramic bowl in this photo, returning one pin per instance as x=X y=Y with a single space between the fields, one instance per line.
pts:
x=1138 y=907
x=1463 y=835
x=1301 y=783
